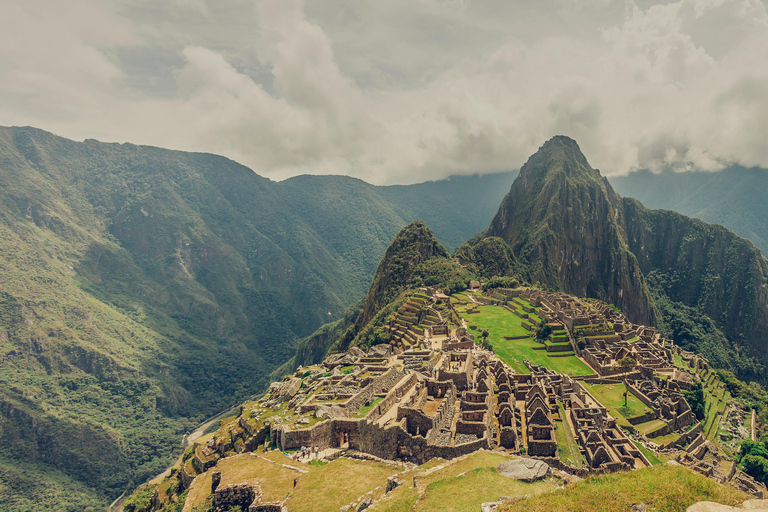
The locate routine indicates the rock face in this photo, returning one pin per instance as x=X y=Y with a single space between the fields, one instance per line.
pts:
x=565 y=221
x=570 y=230
x=288 y=389
x=527 y=470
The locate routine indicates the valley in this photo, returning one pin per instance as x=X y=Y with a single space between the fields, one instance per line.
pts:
x=144 y=290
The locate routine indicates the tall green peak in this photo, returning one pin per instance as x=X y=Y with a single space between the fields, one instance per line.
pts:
x=412 y=246
x=560 y=155
x=563 y=223
x=700 y=284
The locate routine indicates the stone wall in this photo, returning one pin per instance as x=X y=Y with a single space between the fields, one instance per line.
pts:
x=231 y=496
x=653 y=415
x=366 y=396
x=688 y=436
x=392 y=442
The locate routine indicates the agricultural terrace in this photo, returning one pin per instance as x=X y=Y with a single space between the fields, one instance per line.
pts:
x=501 y=323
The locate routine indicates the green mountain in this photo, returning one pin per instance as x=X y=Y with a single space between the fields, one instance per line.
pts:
x=704 y=286
x=413 y=259
x=142 y=290
x=564 y=222
x=733 y=197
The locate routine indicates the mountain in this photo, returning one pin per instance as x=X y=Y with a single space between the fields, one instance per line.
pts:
x=733 y=197
x=565 y=221
x=142 y=290
x=704 y=286
x=413 y=259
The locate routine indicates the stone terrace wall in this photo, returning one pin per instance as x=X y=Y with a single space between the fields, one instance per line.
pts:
x=392 y=442
x=365 y=396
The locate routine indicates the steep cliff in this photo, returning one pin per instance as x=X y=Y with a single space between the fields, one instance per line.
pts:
x=564 y=223
x=706 y=267
x=702 y=284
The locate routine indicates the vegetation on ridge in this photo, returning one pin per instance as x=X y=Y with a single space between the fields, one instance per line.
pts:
x=142 y=290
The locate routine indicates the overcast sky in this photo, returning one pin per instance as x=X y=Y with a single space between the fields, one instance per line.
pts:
x=396 y=91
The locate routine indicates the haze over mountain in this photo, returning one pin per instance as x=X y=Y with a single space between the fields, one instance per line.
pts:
x=733 y=197
x=143 y=289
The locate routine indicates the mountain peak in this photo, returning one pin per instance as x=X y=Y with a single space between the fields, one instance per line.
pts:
x=560 y=154
x=413 y=245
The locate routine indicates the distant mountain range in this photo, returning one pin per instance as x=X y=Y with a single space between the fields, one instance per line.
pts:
x=734 y=197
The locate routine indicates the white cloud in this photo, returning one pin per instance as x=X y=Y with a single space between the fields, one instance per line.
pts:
x=398 y=91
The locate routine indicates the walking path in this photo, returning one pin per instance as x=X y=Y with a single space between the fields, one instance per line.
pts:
x=754 y=425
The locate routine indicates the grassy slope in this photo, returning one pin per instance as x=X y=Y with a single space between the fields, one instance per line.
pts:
x=662 y=488
x=500 y=322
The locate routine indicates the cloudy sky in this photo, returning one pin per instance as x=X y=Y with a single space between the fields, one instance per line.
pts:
x=396 y=91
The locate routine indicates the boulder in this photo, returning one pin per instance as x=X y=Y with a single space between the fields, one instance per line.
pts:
x=526 y=470
x=288 y=389
x=364 y=504
x=356 y=352
x=381 y=350
x=330 y=411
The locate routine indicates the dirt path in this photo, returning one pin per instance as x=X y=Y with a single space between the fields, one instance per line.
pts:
x=754 y=425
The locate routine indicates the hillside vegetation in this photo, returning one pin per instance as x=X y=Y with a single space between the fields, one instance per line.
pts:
x=142 y=290
x=702 y=285
x=733 y=197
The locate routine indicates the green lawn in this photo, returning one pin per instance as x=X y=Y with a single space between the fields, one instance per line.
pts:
x=612 y=398
x=662 y=440
x=652 y=458
x=566 y=444
x=501 y=322
x=513 y=352
x=650 y=426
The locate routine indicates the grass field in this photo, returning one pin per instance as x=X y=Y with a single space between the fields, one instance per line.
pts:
x=501 y=322
x=459 y=486
x=566 y=444
x=330 y=487
x=662 y=488
x=612 y=397
x=650 y=426
x=652 y=458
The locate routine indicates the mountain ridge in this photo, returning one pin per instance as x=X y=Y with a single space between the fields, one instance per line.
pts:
x=144 y=289
x=572 y=231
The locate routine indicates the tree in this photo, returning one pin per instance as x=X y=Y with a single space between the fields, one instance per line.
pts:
x=581 y=343
x=695 y=398
x=543 y=332
x=627 y=363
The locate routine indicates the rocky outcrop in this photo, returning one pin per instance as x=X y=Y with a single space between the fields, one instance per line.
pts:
x=526 y=470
